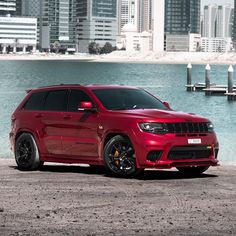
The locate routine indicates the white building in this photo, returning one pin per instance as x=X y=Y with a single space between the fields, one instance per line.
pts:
x=158 y=25
x=145 y=16
x=133 y=41
x=216 y=44
x=128 y=12
x=18 y=34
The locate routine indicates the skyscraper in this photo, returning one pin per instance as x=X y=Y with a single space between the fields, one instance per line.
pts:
x=224 y=21
x=182 y=18
x=58 y=24
x=145 y=15
x=128 y=12
x=28 y=8
x=97 y=21
x=158 y=25
x=209 y=21
x=7 y=7
x=234 y=26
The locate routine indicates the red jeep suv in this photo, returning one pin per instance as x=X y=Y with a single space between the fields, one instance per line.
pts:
x=126 y=129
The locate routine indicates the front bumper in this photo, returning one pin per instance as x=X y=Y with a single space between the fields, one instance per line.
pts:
x=170 y=150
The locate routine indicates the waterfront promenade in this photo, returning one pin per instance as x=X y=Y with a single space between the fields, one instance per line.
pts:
x=78 y=200
x=136 y=57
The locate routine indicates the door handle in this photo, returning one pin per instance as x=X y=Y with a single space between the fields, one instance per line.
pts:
x=38 y=115
x=67 y=117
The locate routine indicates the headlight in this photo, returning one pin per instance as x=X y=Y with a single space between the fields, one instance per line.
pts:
x=210 y=127
x=157 y=128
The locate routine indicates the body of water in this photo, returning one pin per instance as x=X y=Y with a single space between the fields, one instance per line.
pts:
x=165 y=81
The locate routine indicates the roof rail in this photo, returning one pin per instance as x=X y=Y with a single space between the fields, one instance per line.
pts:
x=56 y=85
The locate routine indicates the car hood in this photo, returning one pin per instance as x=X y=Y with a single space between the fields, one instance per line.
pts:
x=162 y=115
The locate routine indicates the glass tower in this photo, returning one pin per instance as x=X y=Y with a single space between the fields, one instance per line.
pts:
x=28 y=8
x=182 y=16
x=58 y=19
x=96 y=22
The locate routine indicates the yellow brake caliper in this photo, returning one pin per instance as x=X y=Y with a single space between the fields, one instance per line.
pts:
x=115 y=156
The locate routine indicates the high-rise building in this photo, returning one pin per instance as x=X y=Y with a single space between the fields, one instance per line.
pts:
x=158 y=25
x=145 y=15
x=128 y=12
x=234 y=26
x=58 y=24
x=224 y=21
x=28 y=8
x=182 y=18
x=209 y=21
x=7 y=7
x=217 y=28
x=97 y=22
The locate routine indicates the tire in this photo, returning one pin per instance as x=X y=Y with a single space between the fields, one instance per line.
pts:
x=119 y=157
x=195 y=170
x=26 y=153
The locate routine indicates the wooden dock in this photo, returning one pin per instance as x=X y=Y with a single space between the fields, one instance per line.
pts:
x=214 y=89
x=209 y=88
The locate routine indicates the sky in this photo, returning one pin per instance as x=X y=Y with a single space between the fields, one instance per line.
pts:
x=218 y=2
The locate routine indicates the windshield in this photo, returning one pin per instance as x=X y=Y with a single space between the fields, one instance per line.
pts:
x=127 y=99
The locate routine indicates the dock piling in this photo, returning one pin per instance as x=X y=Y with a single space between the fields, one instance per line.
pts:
x=207 y=78
x=189 y=85
x=230 y=90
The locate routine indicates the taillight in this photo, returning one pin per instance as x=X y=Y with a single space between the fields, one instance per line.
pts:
x=13 y=119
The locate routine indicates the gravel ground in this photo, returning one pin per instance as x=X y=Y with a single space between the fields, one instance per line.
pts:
x=77 y=200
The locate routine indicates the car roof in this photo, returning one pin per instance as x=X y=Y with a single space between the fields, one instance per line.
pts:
x=79 y=86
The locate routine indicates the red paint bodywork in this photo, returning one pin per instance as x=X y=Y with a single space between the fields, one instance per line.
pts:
x=80 y=137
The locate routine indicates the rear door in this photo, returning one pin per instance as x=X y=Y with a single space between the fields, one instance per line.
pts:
x=79 y=136
x=53 y=121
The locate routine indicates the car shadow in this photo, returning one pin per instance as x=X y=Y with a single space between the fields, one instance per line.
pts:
x=170 y=174
x=146 y=175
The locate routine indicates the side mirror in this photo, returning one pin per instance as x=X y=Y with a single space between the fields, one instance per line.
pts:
x=167 y=105
x=86 y=106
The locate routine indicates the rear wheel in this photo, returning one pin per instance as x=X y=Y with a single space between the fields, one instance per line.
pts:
x=195 y=170
x=119 y=157
x=26 y=153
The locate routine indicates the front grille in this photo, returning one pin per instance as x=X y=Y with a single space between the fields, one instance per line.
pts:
x=187 y=127
x=189 y=152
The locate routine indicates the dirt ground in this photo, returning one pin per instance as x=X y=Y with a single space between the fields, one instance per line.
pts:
x=77 y=200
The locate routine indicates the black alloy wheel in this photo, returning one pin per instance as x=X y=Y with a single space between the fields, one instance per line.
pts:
x=119 y=157
x=195 y=170
x=26 y=153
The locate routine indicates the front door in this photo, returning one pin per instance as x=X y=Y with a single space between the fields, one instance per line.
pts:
x=79 y=136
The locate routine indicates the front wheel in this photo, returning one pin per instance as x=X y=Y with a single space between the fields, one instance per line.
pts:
x=119 y=157
x=195 y=170
x=26 y=153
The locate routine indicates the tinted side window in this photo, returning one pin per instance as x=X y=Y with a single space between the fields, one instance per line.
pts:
x=35 y=102
x=77 y=96
x=56 y=101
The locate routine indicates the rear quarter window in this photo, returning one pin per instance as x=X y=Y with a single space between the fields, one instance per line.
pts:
x=35 y=102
